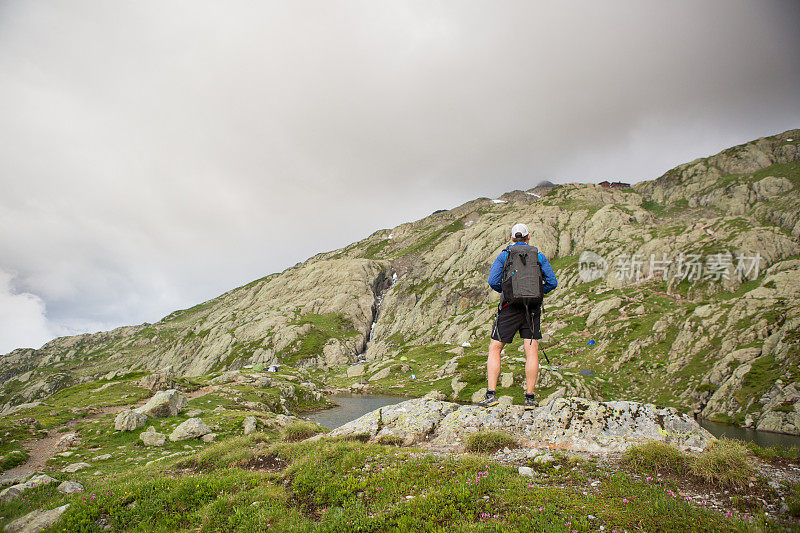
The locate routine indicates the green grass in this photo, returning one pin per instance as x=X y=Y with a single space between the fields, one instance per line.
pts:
x=300 y=430
x=770 y=453
x=655 y=456
x=790 y=171
x=12 y=459
x=724 y=462
x=489 y=441
x=793 y=501
x=245 y=483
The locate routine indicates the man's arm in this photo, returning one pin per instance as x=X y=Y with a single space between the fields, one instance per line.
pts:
x=496 y=272
x=548 y=276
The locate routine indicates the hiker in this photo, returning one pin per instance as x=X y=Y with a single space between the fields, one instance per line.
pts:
x=513 y=317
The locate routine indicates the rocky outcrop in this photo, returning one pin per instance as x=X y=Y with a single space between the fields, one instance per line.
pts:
x=575 y=424
x=36 y=521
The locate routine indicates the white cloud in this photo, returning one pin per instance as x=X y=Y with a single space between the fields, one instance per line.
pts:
x=156 y=154
x=23 y=318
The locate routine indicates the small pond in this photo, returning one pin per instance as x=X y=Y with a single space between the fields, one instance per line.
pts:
x=762 y=438
x=351 y=406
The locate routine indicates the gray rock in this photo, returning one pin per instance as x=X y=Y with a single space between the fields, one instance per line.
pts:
x=506 y=379
x=157 y=382
x=103 y=457
x=249 y=425
x=601 y=309
x=567 y=423
x=164 y=403
x=435 y=395
x=543 y=459
x=457 y=385
x=67 y=441
x=209 y=437
x=75 y=467
x=129 y=420
x=36 y=520
x=478 y=395
x=190 y=429
x=150 y=437
x=70 y=487
x=381 y=374
x=353 y=371
x=505 y=401
x=525 y=471
x=15 y=491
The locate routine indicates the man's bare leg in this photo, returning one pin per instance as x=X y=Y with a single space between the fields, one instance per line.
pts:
x=493 y=363
x=531 y=363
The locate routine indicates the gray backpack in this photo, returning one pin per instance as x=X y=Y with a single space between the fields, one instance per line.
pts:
x=522 y=276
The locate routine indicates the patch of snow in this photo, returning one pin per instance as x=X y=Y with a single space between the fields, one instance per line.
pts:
x=498 y=201
x=391 y=236
x=533 y=194
x=466 y=344
x=789 y=140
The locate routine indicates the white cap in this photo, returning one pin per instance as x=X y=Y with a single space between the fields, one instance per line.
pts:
x=519 y=228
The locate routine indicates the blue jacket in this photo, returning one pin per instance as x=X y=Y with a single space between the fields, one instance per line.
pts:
x=549 y=281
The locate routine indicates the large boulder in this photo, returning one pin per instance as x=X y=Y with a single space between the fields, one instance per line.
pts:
x=15 y=491
x=164 y=403
x=574 y=424
x=190 y=429
x=129 y=420
x=36 y=521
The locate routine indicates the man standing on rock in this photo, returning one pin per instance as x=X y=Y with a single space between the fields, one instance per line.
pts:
x=515 y=317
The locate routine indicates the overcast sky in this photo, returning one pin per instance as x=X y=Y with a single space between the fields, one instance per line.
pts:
x=154 y=154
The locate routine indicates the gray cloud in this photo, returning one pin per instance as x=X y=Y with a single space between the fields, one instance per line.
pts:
x=155 y=154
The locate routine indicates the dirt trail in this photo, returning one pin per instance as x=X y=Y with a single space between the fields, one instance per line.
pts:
x=41 y=450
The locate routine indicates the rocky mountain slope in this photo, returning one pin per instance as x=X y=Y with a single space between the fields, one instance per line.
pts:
x=407 y=310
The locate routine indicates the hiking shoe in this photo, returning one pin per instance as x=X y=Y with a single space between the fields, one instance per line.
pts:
x=530 y=403
x=489 y=400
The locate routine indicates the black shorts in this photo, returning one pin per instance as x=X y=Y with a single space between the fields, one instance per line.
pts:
x=511 y=319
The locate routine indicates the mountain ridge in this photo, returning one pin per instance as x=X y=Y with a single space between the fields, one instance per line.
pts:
x=413 y=288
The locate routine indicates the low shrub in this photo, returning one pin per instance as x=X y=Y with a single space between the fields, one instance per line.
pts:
x=12 y=459
x=300 y=430
x=770 y=453
x=793 y=500
x=391 y=440
x=655 y=456
x=489 y=441
x=724 y=462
